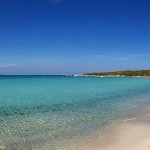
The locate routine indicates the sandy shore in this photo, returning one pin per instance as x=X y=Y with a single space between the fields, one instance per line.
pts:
x=1 y=146
x=131 y=134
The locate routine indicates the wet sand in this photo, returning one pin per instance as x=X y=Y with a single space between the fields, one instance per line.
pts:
x=128 y=135
x=1 y=146
x=131 y=134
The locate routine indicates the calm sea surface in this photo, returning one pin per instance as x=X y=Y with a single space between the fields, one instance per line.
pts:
x=59 y=113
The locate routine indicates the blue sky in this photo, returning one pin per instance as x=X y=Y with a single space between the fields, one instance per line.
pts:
x=73 y=36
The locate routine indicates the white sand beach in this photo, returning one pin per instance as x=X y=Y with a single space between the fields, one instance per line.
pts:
x=131 y=134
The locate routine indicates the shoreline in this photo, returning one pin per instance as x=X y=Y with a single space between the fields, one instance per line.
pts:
x=116 y=76
x=119 y=127
x=128 y=134
x=123 y=73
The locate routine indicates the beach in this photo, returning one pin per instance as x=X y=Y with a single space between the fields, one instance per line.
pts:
x=131 y=134
x=73 y=113
x=74 y=75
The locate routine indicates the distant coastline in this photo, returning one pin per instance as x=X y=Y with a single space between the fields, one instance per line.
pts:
x=126 y=73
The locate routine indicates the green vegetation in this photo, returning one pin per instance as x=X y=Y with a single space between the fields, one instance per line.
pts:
x=142 y=73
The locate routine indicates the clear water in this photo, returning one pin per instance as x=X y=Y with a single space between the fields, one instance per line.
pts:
x=59 y=113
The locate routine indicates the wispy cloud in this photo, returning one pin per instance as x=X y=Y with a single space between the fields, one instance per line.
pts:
x=7 y=65
x=98 y=57
x=130 y=57
x=119 y=56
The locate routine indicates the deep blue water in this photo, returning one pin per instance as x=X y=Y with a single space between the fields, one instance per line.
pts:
x=46 y=112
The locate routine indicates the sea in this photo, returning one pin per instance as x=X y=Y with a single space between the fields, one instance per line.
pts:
x=65 y=112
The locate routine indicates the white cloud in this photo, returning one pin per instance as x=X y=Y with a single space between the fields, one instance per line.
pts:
x=7 y=65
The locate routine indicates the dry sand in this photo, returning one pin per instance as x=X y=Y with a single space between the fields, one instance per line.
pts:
x=133 y=134
x=129 y=135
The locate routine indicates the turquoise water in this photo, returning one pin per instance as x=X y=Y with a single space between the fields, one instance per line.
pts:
x=60 y=113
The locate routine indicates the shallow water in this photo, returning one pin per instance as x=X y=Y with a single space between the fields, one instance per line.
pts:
x=58 y=112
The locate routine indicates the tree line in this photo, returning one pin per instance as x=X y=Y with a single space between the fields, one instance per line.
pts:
x=122 y=73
